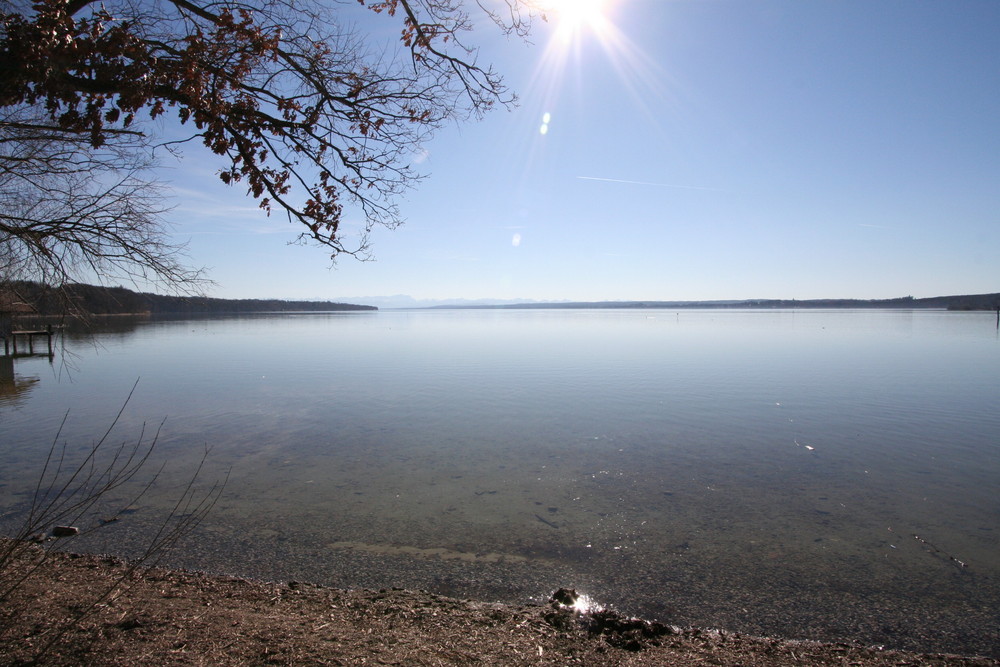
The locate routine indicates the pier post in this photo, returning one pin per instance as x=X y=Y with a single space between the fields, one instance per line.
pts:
x=6 y=330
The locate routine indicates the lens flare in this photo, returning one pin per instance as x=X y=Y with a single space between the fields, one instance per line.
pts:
x=578 y=27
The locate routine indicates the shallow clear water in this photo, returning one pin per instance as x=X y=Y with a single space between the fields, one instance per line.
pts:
x=811 y=473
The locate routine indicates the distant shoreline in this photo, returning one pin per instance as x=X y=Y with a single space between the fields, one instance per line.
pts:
x=38 y=299
x=983 y=302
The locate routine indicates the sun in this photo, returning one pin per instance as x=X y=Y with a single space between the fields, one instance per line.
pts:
x=583 y=35
x=576 y=11
x=571 y=16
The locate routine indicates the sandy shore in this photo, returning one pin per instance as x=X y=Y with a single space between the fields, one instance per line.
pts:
x=98 y=610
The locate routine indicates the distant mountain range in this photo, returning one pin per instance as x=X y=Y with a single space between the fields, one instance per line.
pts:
x=405 y=301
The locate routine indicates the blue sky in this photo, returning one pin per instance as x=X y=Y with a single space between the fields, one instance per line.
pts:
x=695 y=149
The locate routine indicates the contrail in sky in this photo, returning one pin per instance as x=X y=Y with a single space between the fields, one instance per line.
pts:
x=659 y=185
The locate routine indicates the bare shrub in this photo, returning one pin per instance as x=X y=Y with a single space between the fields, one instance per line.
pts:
x=62 y=508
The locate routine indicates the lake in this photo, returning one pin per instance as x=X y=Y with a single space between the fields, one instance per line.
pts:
x=816 y=474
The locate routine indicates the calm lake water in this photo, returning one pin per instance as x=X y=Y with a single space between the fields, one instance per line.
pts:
x=817 y=474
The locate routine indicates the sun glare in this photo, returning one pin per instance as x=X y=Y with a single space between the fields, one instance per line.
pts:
x=570 y=16
x=576 y=11
x=580 y=34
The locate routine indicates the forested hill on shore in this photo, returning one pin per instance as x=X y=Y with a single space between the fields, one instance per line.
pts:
x=95 y=300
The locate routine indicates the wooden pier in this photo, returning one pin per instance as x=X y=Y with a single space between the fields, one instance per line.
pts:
x=13 y=306
x=10 y=339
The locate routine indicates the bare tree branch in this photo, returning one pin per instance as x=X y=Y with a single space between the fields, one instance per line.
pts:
x=71 y=212
x=302 y=108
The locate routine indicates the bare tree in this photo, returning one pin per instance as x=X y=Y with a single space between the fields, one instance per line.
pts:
x=306 y=111
x=70 y=211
